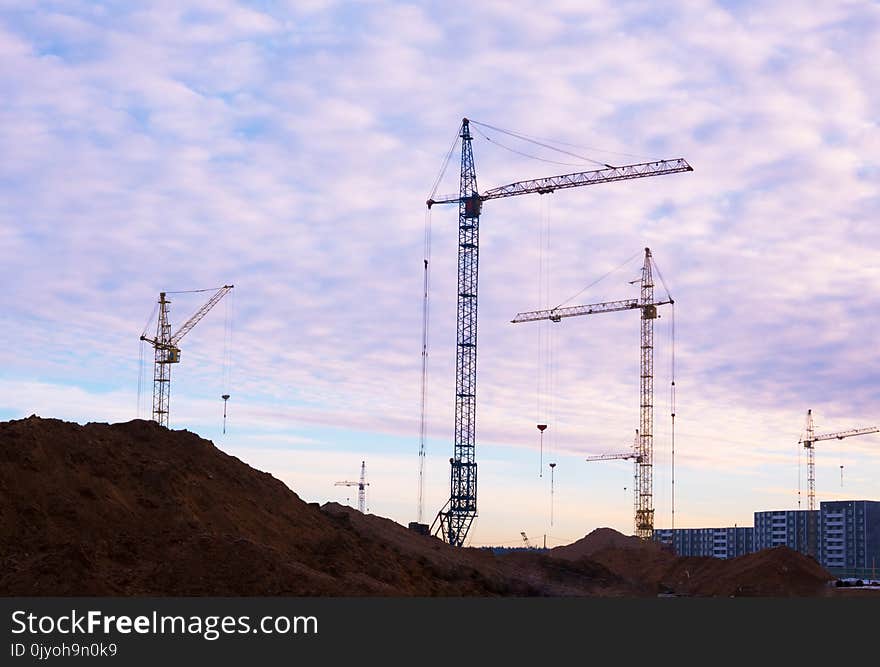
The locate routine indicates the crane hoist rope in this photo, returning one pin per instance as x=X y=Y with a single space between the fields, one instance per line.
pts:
x=426 y=319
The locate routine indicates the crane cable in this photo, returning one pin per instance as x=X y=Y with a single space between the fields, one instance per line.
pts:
x=672 y=384
x=672 y=412
x=528 y=155
x=554 y=332
x=195 y=291
x=540 y=417
x=523 y=137
x=539 y=140
x=445 y=163
x=423 y=425
x=140 y=377
x=226 y=371
x=598 y=280
x=141 y=361
x=545 y=391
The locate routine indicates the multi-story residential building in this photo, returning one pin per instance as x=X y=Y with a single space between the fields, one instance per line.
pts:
x=843 y=535
x=849 y=537
x=792 y=528
x=717 y=542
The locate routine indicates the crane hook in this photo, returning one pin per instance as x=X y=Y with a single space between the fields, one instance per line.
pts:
x=225 y=398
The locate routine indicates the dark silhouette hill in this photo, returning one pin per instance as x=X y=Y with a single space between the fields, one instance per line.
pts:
x=135 y=509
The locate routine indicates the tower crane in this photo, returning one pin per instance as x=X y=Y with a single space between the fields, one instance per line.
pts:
x=166 y=350
x=808 y=442
x=644 y=449
x=361 y=486
x=454 y=520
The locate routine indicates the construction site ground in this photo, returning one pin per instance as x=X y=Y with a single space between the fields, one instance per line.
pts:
x=135 y=509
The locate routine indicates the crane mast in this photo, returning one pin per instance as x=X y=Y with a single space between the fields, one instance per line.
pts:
x=166 y=350
x=645 y=478
x=454 y=520
x=643 y=497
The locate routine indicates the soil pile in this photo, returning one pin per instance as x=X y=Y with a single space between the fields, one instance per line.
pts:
x=517 y=573
x=602 y=538
x=777 y=572
x=137 y=509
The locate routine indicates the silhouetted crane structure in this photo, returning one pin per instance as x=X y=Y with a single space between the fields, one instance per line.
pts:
x=361 y=486
x=167 y=351
x=808 y=441
x=644 y=451
x=454 y=520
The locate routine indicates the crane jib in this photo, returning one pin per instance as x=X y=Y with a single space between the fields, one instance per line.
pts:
x=577 y=179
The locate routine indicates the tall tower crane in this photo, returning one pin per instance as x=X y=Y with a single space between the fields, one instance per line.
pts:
x=644 y=451
x=361 y=486
x=166 y=350
x=454 y=520
x=810 y=439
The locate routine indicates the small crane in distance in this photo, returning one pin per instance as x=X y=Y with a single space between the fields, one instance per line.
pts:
x=166 y=349
x=810 y=439
x=361 y=486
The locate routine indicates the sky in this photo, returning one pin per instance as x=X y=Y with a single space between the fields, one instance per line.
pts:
x=288 y=148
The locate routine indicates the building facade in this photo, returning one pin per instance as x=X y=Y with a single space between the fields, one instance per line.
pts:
x=715 y=542
x=849 y=537
x=843 y=536
x=796 y=529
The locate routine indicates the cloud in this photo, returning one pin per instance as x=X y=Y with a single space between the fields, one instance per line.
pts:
x=289 y=149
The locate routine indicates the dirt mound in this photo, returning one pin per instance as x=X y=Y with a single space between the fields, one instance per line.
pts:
x=518 y=573
x=137 y=509
x=777 y=572
x=602 y=538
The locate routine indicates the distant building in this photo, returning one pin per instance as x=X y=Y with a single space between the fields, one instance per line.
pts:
x=849 y=537
x=791 y=528
x=716 y=542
